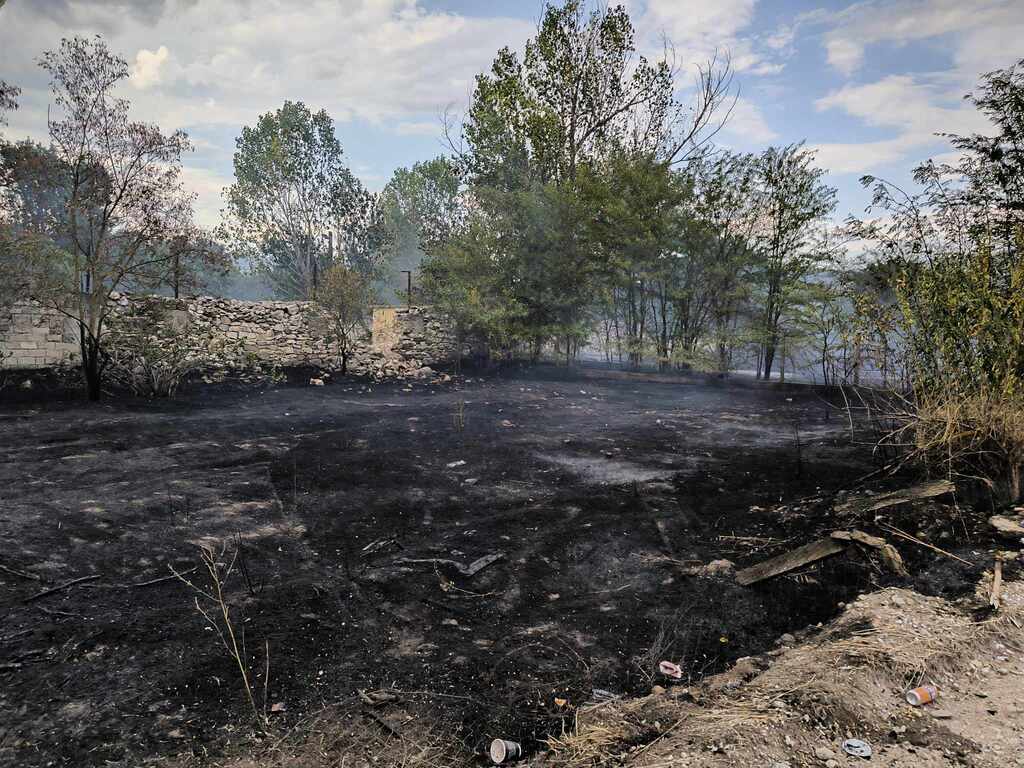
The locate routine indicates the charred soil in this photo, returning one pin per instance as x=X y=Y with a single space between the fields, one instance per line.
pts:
x=358 y=513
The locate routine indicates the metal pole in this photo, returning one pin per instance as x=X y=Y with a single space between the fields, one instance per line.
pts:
x=408 y=290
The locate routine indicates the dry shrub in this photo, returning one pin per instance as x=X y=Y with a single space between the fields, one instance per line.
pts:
x=151 y=351
x=978 y=436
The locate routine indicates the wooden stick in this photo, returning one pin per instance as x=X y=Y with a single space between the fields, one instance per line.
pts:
x=904 y=535
x=914 y=493
x=164 y=578
x=888 y=552
x=997 y=583
x=60 y=587
x=22 y=574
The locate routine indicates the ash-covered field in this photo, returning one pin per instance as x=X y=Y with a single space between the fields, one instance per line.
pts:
x=355 y=514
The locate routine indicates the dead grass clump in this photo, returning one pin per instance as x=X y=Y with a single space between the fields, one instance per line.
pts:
x=978 y=436
x=412 y=733
x=604 y=731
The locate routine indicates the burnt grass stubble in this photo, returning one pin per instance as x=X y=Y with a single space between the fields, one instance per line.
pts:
x=565 y=474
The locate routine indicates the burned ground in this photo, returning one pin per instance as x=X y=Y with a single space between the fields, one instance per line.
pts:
x=596 y=490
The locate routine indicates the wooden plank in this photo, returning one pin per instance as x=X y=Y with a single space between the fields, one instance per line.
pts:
x=883 y=500
x=889 y=553
x=788 y=561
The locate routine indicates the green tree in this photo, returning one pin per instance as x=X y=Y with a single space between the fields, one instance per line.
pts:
x=344 y=297
x=9 y=205
x=292 y=192
x=638 y=226
x=952 y=254
x=423 y=207
x=793 y=204
x=123 y=198
x=724 y=215
x=542 y=126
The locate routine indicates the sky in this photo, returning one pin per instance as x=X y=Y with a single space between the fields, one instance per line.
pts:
x=866 y=84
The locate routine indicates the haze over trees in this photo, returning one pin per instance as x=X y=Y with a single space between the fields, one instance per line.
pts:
x=583 y=206
x=120 y=201
x=291 y=189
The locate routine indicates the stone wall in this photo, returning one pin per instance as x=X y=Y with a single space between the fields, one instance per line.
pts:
x=402 y=341
x=32 y=337
x=405 y=339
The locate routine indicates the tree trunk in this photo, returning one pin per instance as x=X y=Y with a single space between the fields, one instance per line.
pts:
x=92 y=372
x=92 y=375
x=769 y=359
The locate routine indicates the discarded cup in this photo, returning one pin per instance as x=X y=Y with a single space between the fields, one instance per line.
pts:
x=668 y=669
x=503 y=751
x=922 y=695
x=857 y=748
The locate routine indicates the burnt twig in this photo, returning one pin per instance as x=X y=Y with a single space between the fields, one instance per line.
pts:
x=60 y=587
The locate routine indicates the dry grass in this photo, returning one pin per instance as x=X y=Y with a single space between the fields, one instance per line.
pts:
x=412 y=733
x=978 y=436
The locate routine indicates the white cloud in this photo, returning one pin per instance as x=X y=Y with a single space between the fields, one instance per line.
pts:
x=747 y=122
x=377 y=60
x=862 y=157
x=697 y=30
x=852 y=30
x=916 y=109
x=422 y=128
x=207 y=186
x=383 y=62
x=845 y=55
x=979 y=36
x=146 y=70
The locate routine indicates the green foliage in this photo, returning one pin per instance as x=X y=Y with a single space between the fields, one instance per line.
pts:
x=789 y=239
x=123 y=198
x=292 y=189
x=579 y=89
x=151 y=350
x=952 y=256
x=344 y=298
x=422 y=208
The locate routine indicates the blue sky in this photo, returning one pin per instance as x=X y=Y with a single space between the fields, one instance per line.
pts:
x=867 y=84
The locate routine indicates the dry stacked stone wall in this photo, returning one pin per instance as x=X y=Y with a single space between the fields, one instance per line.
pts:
x=402 y=342
x=33 y=337
x=409 y=341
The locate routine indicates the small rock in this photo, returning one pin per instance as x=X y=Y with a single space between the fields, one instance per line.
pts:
x=824 y=753
x=657 y=690
x=787 y=639
x=1006 y=525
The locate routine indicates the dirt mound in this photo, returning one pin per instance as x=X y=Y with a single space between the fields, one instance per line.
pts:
x=796 y=705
